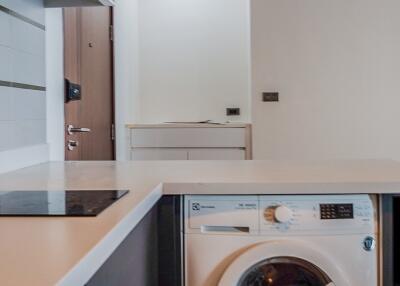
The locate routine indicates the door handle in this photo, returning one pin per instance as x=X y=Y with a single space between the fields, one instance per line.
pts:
x=72 y=144
x=71 y=129
x=227 y=229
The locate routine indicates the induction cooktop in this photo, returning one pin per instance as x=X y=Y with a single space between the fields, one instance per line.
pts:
x=57 y=203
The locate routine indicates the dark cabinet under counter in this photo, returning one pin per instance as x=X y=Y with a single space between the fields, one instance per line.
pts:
x=390 y=219
x=151 y=253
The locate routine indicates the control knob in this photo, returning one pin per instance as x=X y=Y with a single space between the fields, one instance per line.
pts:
x=283 y=214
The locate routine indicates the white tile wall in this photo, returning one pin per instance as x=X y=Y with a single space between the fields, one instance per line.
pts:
x=5 y=29
x=22 y=60
x=6 y=67
x=32 y=9
x=7 y=104
x=5 y=142
x=28 y=68
x=28 y=133
x=26 y=37
x=30 y=104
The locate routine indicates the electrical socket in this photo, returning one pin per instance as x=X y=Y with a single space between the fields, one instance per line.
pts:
x=270 y=96
x=233 y=111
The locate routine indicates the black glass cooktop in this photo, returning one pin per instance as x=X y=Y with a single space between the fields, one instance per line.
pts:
x=57 y=203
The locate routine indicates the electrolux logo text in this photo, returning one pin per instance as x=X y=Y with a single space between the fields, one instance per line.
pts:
x=195 y=206
x=198 y=206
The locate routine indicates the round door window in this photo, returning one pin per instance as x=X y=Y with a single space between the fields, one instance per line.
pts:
x=284 y=271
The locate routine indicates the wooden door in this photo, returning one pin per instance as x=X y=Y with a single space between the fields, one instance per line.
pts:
x=88 y=62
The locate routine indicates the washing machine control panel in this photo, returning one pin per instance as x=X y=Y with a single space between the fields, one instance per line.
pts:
x=348 y=214
x=277 y=214
x=336 y=211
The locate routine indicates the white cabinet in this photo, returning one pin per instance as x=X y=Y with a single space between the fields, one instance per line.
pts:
x=217 y=154
x=138 y=154
x=190 y=142
x=188 y=137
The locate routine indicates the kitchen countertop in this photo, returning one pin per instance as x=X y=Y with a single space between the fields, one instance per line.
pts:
x=68 y=250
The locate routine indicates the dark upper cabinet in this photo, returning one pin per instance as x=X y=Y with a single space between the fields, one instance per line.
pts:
x=78 y=3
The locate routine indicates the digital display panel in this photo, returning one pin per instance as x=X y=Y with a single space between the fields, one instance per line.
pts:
x=336 y=211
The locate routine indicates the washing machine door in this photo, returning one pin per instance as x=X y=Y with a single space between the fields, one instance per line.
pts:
x=283 y=264
x=284 y=271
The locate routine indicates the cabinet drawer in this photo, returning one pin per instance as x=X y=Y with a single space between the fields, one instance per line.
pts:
x=158 y=154
x=188 y=137
x=217 y=154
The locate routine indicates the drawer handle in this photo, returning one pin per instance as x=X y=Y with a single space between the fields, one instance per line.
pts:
x=230 y=229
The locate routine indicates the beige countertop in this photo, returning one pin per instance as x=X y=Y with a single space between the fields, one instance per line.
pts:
x=68 y=251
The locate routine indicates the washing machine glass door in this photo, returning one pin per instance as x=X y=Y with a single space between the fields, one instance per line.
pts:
x=284 y=271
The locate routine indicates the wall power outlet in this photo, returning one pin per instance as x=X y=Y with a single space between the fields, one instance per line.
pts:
x=233 y=111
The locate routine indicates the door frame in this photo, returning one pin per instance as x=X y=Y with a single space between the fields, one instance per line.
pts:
x=111 y=31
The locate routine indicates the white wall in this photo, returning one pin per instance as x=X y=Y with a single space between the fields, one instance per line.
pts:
x=22 y=90
x=336 y=65
x=193 y=59
x=180 y=60
x=55 y=83
x=126 y=65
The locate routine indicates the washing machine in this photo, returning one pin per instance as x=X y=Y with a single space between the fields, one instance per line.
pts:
x=283 y=240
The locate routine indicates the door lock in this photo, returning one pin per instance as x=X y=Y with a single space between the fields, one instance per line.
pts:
x=72 y=144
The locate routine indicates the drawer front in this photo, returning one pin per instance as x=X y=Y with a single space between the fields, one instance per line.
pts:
x=188 y=137
x=217 y=154
x=144 y=154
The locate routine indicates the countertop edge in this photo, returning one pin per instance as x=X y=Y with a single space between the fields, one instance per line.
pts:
x=94 y=259
x=294 y=188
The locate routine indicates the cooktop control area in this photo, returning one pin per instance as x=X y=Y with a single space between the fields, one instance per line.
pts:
x=57 y=203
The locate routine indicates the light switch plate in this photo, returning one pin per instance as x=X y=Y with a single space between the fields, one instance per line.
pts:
x=233 y=111
x=270 y=96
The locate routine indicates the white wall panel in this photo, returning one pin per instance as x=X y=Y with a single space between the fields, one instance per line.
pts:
x=5 y=29
x=55 y=83
x=6 y=68
x=27 y=38
x=32 y=9
x=28 y=68
x=6 y=104
x=31 y=104
x=22 y=64
x=5 y=129
x=336 y=65
x=194 y=60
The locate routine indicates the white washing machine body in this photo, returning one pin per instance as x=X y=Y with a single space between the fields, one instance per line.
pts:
x=280 y=240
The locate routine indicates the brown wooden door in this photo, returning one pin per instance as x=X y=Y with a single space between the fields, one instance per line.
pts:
x=88 y=61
